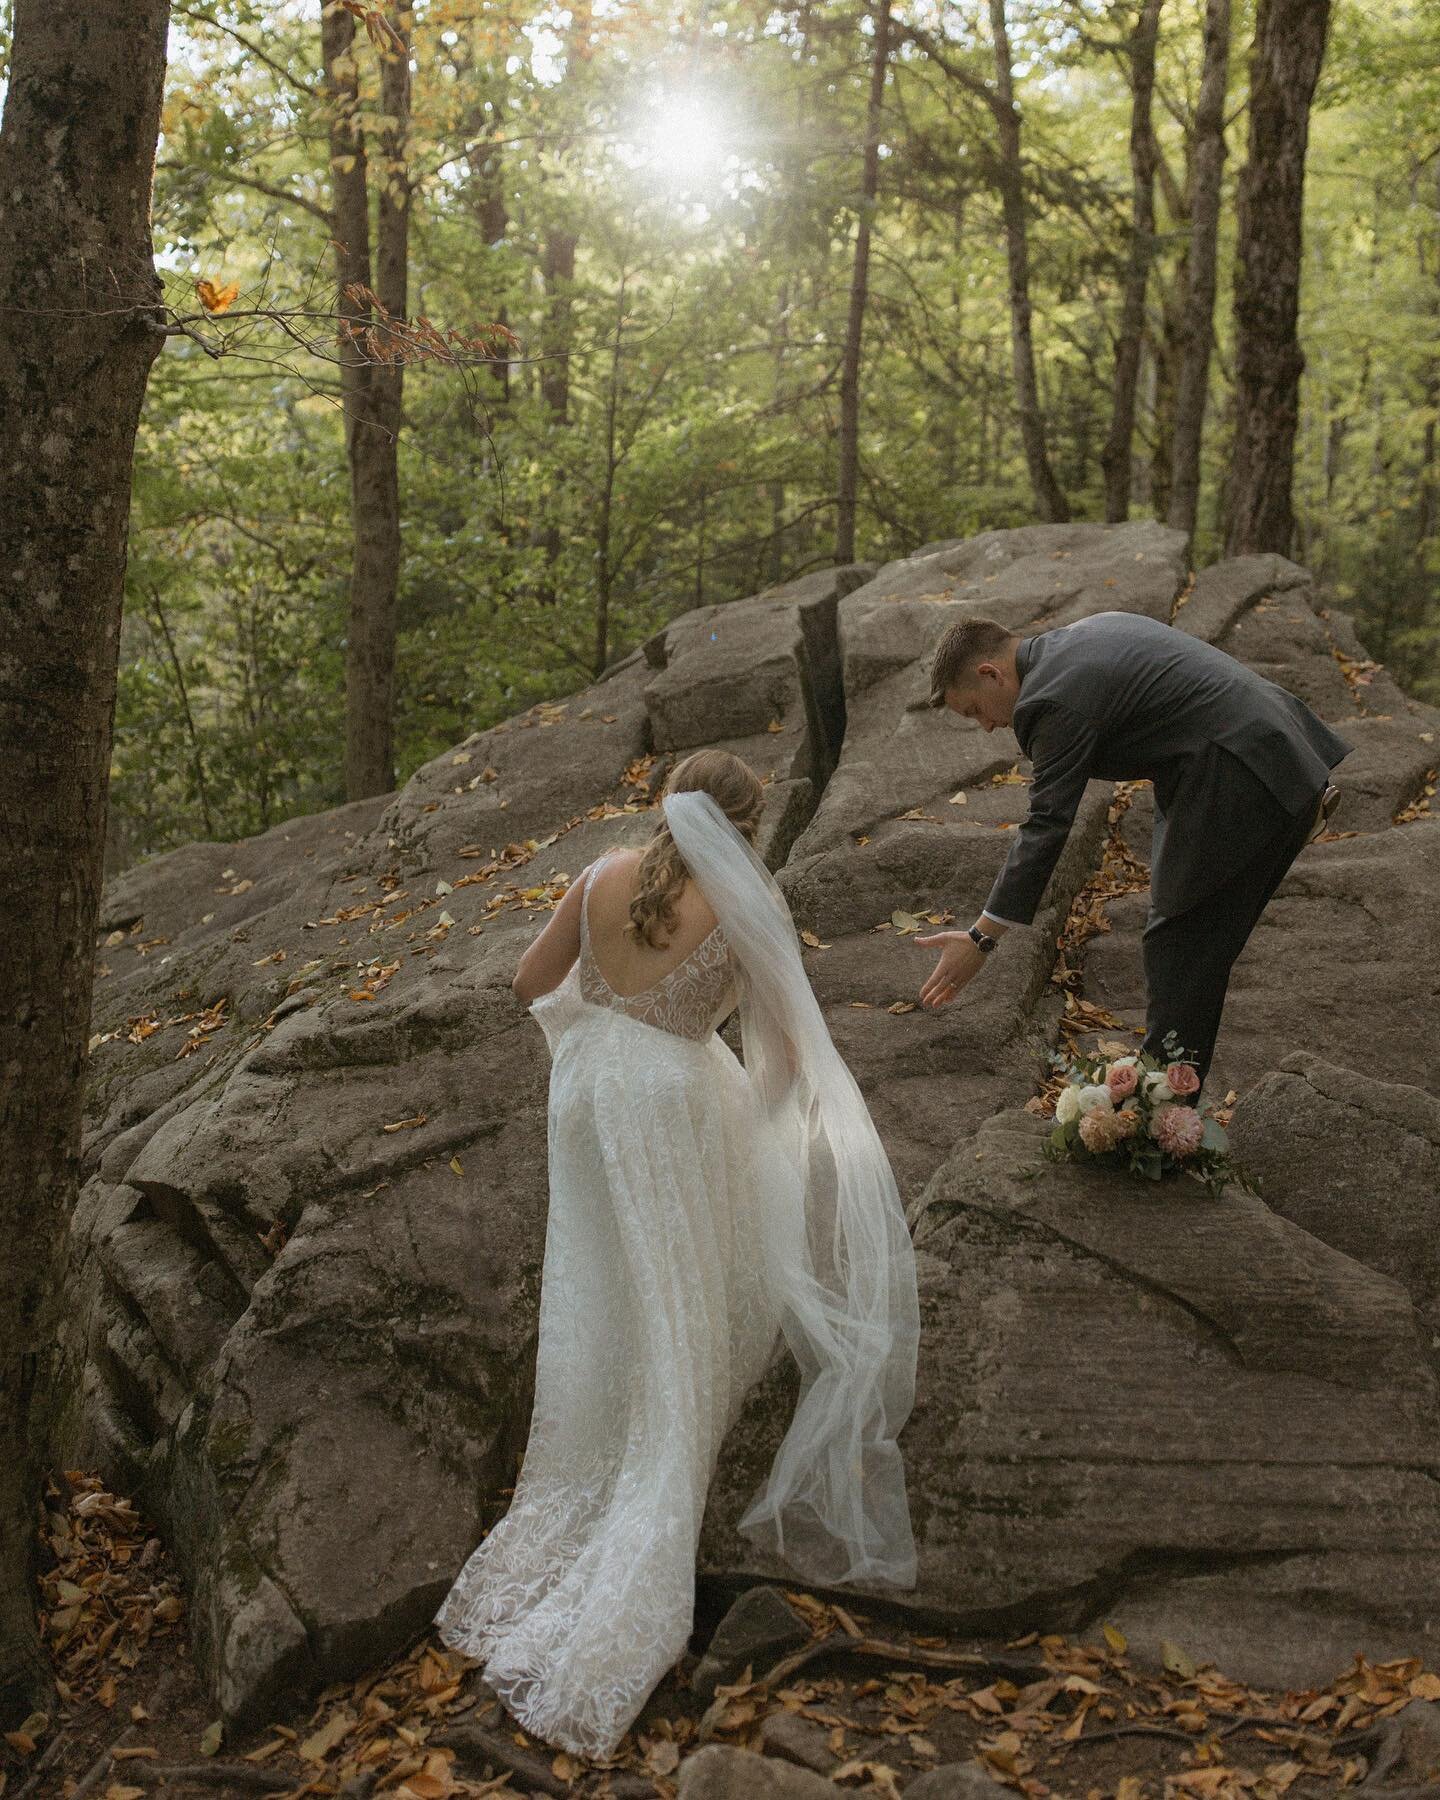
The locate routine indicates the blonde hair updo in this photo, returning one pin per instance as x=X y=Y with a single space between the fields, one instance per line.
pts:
x=736 y=790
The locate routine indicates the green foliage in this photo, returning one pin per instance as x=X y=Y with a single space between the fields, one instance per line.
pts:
x=665 y=434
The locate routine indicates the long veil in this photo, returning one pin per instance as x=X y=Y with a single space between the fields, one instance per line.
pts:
x=833 y=1504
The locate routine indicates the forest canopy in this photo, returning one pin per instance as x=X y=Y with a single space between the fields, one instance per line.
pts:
x=661 y=206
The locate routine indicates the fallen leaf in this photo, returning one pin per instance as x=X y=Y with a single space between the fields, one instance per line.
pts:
x=809 y=937
x=1116 y=1639
x=320 y=1743
x=217 y=299
x=212 y=1737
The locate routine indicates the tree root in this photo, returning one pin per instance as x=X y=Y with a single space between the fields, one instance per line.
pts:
x=239 y=1776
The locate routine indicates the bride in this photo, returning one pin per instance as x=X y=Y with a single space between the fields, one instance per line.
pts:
x=698 y=1209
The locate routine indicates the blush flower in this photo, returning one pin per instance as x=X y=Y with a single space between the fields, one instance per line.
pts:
x=1101 y=1131
x=1128 y=1121
x=1178 y=1129
x=1183 y=1078
x=1122 y=1079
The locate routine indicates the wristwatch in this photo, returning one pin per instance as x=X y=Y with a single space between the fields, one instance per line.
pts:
x=981 y=939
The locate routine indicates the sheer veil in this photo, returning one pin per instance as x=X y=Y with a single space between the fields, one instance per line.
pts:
x=833 y=1504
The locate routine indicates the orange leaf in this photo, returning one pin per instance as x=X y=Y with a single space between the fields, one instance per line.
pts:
x=217 y=299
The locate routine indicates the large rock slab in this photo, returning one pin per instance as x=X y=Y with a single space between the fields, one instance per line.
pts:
x=1181 y=1414
x=307 y=1257
x=1356 y=1162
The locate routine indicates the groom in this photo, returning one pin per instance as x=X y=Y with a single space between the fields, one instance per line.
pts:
x=1241 y=776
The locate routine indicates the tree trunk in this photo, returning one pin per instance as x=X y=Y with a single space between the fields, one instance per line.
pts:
x=849 y=438
x=604 y=572
x=1115 y=457
x=1197 y=323
x=1050 y=502
x=558 y=274
x=372 y=390
x=1284 y=67
x=80 y=299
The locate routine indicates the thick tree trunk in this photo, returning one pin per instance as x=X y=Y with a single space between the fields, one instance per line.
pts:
x=557 y=271
x=1284 y=67
x=558 y=274
x=848 y=449
x=372 y=391
x=80 y=303
x=1197 y=323
x=604 y=571
x=1050 y=502
x=1115 y=457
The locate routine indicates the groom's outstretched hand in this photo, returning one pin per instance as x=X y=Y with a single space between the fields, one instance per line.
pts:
x=960 y=961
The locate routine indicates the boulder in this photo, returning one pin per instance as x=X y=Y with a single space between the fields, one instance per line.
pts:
x=308 y=1252
x=758 y=1630
x=719 y=1772
x=954 y=1781
x=1355 y=1161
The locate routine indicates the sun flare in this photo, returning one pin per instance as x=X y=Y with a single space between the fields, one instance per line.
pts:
x=686 y=140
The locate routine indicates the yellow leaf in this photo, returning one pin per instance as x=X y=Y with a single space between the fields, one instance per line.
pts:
x=901 y=1006
x=1174 y=1659
x=456 y=1165
x=217 y=299
x=1116 y=1639
x=809 y=937
x=320 y=1743
x=212 y=1737
x=774 y=725
x=1425 y=1687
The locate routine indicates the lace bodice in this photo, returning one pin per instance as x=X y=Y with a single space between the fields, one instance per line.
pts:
x=689 y=1001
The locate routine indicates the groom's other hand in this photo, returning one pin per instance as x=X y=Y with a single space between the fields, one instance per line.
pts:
x=961 y=959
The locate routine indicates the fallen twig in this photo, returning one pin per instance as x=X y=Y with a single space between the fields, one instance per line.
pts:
x=218 y=1774
x=101 y=1764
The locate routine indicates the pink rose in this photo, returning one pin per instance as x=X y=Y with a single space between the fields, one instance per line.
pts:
x=1122 y=1080
x=1178 y=1129
x=1183 y=1078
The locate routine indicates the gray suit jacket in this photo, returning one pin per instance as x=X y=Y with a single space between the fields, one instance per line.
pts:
x=1125 y=698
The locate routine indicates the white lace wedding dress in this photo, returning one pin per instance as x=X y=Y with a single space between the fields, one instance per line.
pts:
x=673 y=1252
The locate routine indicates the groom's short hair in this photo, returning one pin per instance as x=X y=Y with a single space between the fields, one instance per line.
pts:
x=967 y=643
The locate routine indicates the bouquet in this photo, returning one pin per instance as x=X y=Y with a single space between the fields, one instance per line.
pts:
x=1126 y=1109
